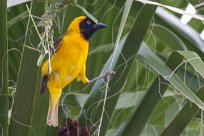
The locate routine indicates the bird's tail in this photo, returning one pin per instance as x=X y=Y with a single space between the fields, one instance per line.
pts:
x=52 y=116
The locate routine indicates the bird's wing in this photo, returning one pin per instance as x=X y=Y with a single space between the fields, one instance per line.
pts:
x=57 y=43
x=45 y=74
x=43 y=84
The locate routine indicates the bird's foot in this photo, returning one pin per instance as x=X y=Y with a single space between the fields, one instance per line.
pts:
x=105 y=76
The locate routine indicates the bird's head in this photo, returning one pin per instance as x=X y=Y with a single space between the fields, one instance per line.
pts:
x=85 y=26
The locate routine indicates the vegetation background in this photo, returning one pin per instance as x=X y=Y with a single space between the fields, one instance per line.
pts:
x=157 y=88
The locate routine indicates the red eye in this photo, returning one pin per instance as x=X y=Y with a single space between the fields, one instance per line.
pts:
x=88 y=22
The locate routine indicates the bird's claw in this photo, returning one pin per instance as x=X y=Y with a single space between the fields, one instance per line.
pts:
x=105 y=76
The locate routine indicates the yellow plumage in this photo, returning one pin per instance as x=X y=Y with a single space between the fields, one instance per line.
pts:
x=68 y=63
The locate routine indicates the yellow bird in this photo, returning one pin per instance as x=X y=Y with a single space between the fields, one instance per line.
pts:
x=68 y=62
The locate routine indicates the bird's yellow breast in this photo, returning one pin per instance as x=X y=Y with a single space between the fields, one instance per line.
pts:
x=69 y=60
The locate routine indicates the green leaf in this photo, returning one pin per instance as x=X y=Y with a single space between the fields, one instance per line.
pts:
x=101 y=48
x=185 y=115
x=151 y=99
x=4 y=103
x=126 y=100
x=153 y=61
x=17 y=19
x=194 y=60
x=138 y=119
x=26 y=88
x=167 y=37
x=186 y=31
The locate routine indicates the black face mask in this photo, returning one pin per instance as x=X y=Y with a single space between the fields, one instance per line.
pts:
x=88 y=27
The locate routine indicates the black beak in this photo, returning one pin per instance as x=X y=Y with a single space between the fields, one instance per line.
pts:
x=99 y=26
